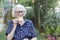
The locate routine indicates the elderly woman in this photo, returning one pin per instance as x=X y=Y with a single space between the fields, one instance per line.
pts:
x=20 y=28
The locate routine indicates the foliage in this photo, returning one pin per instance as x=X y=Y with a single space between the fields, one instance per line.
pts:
x=50 y=3
x=30 y=13
x=25 y=2
x=51 y=24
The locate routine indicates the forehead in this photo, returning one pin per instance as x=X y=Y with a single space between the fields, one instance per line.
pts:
x=18 y=9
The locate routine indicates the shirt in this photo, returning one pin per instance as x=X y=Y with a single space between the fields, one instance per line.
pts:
x=25 y=31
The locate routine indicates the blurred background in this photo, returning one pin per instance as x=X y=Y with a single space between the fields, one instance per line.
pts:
x=45 y=15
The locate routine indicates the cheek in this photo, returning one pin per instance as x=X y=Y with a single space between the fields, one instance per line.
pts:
x=17 y=14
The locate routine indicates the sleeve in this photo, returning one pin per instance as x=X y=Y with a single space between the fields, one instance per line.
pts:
x=9 y=29
x=33 y=30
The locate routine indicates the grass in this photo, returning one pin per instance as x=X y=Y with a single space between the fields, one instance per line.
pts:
x=39 y=37
x=1 y=20
x=58 y=38
x=2 y=35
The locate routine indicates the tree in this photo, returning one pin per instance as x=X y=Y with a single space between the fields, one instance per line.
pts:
x=41 y=12
x=7 y=7
x=25 y=2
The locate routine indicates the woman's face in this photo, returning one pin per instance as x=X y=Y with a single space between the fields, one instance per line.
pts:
x=19 y=12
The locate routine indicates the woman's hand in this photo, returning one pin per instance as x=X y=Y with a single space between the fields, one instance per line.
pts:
x=26 y=39
x=35 y=38
x=11 y=34
x=15 y=21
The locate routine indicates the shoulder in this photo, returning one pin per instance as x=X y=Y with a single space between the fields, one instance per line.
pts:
x=28 y=21
x=10 y=22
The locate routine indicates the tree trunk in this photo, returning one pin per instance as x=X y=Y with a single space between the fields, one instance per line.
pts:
x=43 y=14
x=38 y=18
x=6 y=16
x=53 y=10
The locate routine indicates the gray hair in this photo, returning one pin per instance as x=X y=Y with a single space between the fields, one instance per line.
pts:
x=18 y=6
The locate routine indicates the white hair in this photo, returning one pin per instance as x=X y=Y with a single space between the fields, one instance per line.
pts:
x=22 y=8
